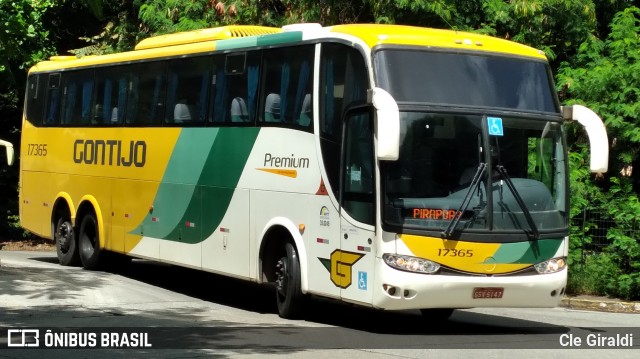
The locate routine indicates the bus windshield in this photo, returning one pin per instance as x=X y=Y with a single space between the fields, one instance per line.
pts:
x=520 y=174
x=459 y=79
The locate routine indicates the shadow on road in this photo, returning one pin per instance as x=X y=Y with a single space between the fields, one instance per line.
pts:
x=327 y=324
x=261 y=299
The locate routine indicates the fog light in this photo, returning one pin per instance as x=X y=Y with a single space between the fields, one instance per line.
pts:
x=391 y=290
x=552 y=265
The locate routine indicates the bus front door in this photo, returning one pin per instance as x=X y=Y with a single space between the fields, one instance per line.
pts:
x=354 y=268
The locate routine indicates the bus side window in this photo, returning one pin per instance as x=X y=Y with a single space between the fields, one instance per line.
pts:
x=77 y=94
x=187 y=91
x=110 y=96
x=286 y=93
x=53 y=100
x=235 y=87
x=34 y=103
x=145 y=102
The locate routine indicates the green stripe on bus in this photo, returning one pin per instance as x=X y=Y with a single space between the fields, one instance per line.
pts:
x=194 y=208
x=264 y=40
x=189 y=155
x=178 y=183
x=527 y=252
x=280 y=38
x=236 y=43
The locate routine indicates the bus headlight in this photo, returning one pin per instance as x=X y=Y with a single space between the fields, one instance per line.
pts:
x=411 y=264
x=552 y=265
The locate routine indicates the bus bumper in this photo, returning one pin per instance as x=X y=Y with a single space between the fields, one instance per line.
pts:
x=399 y=290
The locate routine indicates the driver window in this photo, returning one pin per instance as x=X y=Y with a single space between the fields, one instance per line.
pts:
x=358 y=167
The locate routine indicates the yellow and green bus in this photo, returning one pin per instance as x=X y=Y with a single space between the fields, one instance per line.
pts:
x=387 y=166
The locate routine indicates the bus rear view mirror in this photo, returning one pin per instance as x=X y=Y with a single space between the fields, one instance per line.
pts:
x=598 y=140
x=387 y=124
x=9 y=148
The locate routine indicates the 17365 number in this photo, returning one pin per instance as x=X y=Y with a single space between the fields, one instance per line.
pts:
x=39 y=149
x=455 y=252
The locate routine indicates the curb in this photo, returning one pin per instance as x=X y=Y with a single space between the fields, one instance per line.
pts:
x=601 y=305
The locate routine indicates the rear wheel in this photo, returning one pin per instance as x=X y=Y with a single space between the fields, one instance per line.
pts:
x=436 y=314
x=89 y=241
x=288 y=294
x=66 y=242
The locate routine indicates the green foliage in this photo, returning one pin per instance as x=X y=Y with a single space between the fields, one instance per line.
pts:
x=23 y=42
x=593 y=276
x=555 y=26
x=166 y=16
x=169 y=16
x=23 y=38
x=600 y=274
x=605 y=75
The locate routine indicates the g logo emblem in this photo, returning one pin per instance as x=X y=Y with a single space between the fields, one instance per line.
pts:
x=341 y=267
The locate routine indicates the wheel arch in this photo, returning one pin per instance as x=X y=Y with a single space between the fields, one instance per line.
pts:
x=273 y=237
x=89 y=204
x=63 y=202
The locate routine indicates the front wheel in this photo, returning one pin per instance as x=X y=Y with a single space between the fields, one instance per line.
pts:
x=288 y=294
x=66 y=242
x=89 y=241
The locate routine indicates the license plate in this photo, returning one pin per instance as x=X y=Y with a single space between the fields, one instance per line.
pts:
x=488 y=293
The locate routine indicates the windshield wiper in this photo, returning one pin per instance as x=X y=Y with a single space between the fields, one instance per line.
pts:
x=533 y=234
x=465 y=201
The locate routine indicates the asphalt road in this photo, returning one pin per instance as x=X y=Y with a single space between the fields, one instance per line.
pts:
x=184 y=313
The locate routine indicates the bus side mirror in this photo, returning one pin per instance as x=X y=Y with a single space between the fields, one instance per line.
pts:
x=598 y=140
x=9 y=148
x=387 y=124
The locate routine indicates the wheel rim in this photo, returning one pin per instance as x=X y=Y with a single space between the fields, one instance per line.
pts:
x=282 y=277
x=64 y=236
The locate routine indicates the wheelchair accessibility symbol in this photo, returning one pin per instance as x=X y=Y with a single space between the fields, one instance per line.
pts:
x=362 y=280
x=495 y=126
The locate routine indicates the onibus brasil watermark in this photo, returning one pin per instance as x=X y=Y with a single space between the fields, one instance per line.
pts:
x=36 y=338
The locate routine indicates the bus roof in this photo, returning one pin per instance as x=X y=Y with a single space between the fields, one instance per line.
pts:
x=378 y=34
x=241 y=36
x=202 y=35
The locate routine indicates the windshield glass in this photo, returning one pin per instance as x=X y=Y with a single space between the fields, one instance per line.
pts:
x=465 y=79
x=440 y=154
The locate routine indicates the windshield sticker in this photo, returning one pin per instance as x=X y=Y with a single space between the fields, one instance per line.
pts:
x=356 y=174
x=495 y=126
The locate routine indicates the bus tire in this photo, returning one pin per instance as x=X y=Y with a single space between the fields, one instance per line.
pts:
x=66 y=241
x=89 y=242
x=436 y=314
x=289 y=297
